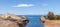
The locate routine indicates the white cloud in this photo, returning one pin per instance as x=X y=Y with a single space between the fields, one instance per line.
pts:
x=23 y=5
x=46 y=5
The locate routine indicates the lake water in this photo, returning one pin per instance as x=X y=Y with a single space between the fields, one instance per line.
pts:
x=34 y=21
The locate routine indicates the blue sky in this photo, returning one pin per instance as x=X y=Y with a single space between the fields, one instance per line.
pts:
x=29 y=7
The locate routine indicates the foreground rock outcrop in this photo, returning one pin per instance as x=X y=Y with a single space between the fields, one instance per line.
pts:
x=7 y=23
x=20 y=21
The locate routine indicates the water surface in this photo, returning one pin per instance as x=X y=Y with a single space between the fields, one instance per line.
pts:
x=34 y=21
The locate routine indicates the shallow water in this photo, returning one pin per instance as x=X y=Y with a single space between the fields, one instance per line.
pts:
x=34 y=21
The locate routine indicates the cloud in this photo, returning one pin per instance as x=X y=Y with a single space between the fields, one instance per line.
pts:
x=23 y=5
x=46 y=5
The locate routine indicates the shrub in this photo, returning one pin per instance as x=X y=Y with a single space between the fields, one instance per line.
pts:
x=51 y=16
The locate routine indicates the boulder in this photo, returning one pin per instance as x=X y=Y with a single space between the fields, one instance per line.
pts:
x=43 y=19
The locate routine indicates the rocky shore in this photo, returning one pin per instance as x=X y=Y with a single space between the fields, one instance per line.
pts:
x=51 y=20
x=11 y=20
x=50 y=23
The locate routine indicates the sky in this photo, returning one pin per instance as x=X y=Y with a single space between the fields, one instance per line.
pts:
x=29 y=7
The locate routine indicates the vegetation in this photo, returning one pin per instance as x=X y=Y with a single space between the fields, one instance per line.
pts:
x=58 y=17
x=51 y=16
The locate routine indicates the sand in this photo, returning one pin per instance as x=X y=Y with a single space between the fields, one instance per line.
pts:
x=52 y=23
